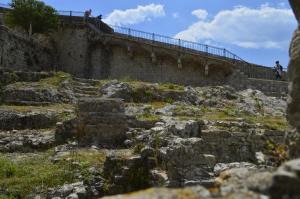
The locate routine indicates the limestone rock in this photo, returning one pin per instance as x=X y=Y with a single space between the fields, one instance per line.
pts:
x=26 y=140
x=197 y=192
x=293 y=111
x=220 y=167
x=33 y=95
x=244 y=180
x=117 y=89
x=286 y=181
x=184 y=129
x=71 y=191
x=103 y=121
x=10 y=120
x=183 y=165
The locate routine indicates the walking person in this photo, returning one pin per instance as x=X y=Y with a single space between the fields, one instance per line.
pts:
x=278 y=71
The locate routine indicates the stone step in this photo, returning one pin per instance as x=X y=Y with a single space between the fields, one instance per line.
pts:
x=87 y=92
x=76 y=83
x=82 y=95
x=86 y=88
x=89 y=81
x=27 y=103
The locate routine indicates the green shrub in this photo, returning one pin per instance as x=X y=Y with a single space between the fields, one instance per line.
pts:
x=34 y=13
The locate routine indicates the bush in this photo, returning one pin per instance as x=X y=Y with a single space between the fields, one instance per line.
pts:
x=41 y=17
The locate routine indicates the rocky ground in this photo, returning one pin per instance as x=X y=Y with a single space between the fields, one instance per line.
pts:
x=64 y=137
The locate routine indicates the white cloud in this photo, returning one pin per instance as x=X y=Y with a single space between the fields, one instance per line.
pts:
x=265 y=27
x=200 y=14
x=136 y=15
x=175 y=15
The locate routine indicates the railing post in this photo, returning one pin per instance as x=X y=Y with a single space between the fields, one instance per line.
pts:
x=70 y=16
x=224 y=52
x=179 y=42
x=206 y=49
x=129 y=31
x=153 y=37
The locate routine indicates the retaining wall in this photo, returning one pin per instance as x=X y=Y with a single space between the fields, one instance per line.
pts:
x=21 y=53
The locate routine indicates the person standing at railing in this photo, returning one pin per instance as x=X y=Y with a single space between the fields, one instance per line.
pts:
x=87 y=14
x=98 y=20
x=278 y=71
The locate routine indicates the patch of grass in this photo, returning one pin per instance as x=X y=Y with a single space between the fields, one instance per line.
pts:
x=64 y=111
x=138 y=148
x=56 y=80
x=269 y=122
x=158 y=105
x=148 y=117
x=89 y=157
x=170 y=86
x=22 y=177
x=51 y=82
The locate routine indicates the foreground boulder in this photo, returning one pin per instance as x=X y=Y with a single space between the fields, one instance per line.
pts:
x=294 y=85
x=286 y=181
x=158 y=193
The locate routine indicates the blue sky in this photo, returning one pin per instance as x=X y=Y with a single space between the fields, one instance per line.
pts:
x=258 y=31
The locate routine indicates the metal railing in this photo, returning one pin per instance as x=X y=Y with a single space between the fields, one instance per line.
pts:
x=177 y=43
x=70 y=13
x=166 y=40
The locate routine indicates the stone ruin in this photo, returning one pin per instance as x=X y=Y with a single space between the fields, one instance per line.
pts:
x=100 y=122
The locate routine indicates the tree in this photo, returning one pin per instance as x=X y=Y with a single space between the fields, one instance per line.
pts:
x=32 y=15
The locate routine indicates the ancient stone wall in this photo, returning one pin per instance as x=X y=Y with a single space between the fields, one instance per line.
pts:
x=259 y=72
x=85 y=53
x=72 y=48
x=268 y=87
x=21 y=53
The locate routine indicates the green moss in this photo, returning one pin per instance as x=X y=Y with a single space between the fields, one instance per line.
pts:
x=269 y=122
x=138 y=148
x=56 y=80
x=170 y=86
x=51 y=82
x=148 y=117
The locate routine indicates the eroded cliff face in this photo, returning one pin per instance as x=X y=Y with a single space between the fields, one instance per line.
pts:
x=293 y=111
x=18 y=52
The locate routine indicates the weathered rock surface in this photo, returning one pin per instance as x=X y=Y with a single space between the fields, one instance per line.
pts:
x=127 y=174
x=101 y=121
x=148 y=92
x=293 y=111
x=70 y=191
x=8 y=76
x=33 y=95
x=10 y=120
x=117 y=89
x=286 y=181
x=26 y=140
x=196 y=192
x=21 y=53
